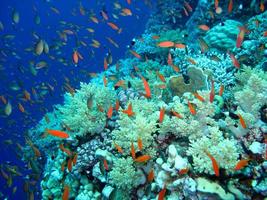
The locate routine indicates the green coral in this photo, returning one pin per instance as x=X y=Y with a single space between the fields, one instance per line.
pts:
x=81 y=118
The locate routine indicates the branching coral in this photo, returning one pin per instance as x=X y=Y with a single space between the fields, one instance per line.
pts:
x=81 y=118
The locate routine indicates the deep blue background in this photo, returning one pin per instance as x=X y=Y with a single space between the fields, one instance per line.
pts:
x=15 y=126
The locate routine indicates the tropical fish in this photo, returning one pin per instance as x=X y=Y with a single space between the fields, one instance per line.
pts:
x=8 y=109
x=242 y=121
x=191 y=108
x=117 y=105
x=204 y=27
x=241 y=164
x=147 y=88
x=105 y=81
x=67 y=151
x=57 y=133
x=119 y=149
x=110 y=111
x=166 y=44
x=135 y=54
x=161 y=77
x=140 y=144
x=126 y=12
x=113 y=26
x=183 y=171
x=150 y=175
x=179 y=46
x=221 y=90
x=199 y=97
x=176 y=114
x=240 y=37
x=162 y=193
x=129 y=110
x=230 y=6
x=143 y=158
x=161 y=115
x=21 y=108
x=69 y=165
x=74 y=160
x=75 y=57
x=132 y=150
x=212 y=92
x=105 y=163
x=39 y=48
x=234 y=60
x=262 y=6
x=214 y=164
x=66 y=192
x=105 y=64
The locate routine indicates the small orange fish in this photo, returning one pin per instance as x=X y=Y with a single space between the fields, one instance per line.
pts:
x=62 y=148
x=120 y=83
x=183 y=171
x=262 y=8
x=66 y=193
x=191 y=108
x=166 y=44
x=192 y=61
x=105 y=163
x=265 y=34
x=240 y=37
x=162 y=193
x=21 y=108
x=161 y=115
x=117 y=106
x=57 y=133
x=126 y=12
x=199 y=97
x=75 y=57
x=143 y=158
x=241 y=164
x=221 y=90
x=3 y=99
x=242 y=121
x=176 y=114
x=132 y=151
x=110 y=111
x=179 y=46
x=169 y=60
x=135 y=54
x=230 y=6
x=175 y=68
x=74 y=160
x=105 y=81
x=100 y=108
x=119 y=149
x=161 y=77
x=155 y=37
x=129 y=1
x=105 y=64
x=140 y=144
x=216 y=3
x=129 y=110
x=150 y=176
x=147 y=88
x=104 y=14
x=212 y=92
x=204 y=27
x=70 y=164
x=94 y=19
x=214 y=164
x=113 y=26
x=234 y=60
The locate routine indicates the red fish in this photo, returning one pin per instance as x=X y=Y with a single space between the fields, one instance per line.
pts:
x=241 y=164
x=150 y=175
x=21 y=108
x=105 y=64
x=221 y=90
x=204 y=27
x=143 y=158
x=242 y=121
x=191 y=108
x=234 y=60
x=162 y=193
x=140 y=144
x=110 y=111
x=166 y=44
x=198 y=96
x=169 y=61
x=180 y=46
x=240 y=37
x=161 y=77
x=119 y=149
x=176 y=114
x=135 y=54
x=214 y=164
x=66 y=193
x=74 y=160
x=161 y=115
x=105 y=81
x=75 y=57
x=147 y=88
x=105 y=163
x=117 y=106
x=212 y=92
x=132 y=151
x=70 y=164
x=113 y=26
x=230 y=6
x=183 y=171
x=57 y=133
x=129 y=110
x=262 y=6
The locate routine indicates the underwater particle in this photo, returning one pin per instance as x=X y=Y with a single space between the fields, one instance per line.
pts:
x=15 y=17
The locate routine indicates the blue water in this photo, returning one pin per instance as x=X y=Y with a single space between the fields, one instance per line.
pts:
x=15 y=66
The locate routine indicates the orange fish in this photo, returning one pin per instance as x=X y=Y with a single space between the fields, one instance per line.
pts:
x=242 y=121
x=241 y=164
x=132 y=151
x=212 y=92
x=169 y=60
x=66 y=193
x=104 y=14
x=105 y=164
x=119 y=149
x=204 y=27
x=216 y=3
x=105 y=81
x=192 y=61
x=113 y=26
x=62 y=148
x=214 y=164
x=240 y=37
x=21 y=108
x=147 y=88
x=161 y=77
x=183 y=171
x=75 y=57
x=105 y=64
x=94 y=19
x=126 y=12
x=179 y=46
x=74 y=160
x=234 y=60
x=129 y=110
x=129 y=1
x=119 y=83
x=3 y=99
x=162 y=193
x=155 y=37
x=230 y=6
x=110 y=111
x=161 y=115
x=265 y=34
x=27 y=95
x=191 y=108
x=175 y=68
x=143 y=158
x=221 y=90
x=150 y=175
x=135 y=54
x=262 y=6
x=176 y=114
x=166 y=44
x=140 y=144
x=57 y=133
x=70 y=164
x=198 y=96
x=117 y=106
x=100 y=108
